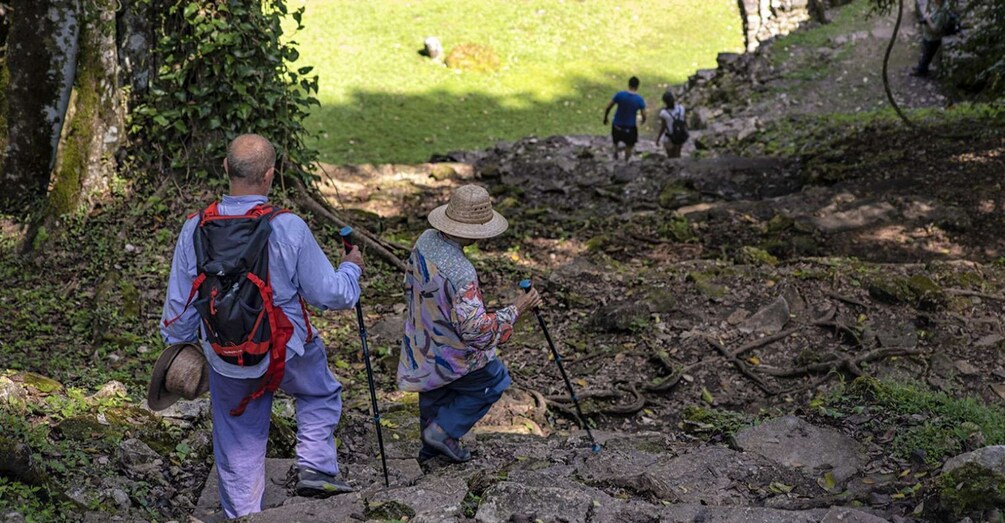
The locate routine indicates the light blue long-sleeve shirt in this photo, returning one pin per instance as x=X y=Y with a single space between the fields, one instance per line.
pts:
x=297 y=267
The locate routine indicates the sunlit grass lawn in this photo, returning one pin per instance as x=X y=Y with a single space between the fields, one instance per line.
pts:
x=561 y=62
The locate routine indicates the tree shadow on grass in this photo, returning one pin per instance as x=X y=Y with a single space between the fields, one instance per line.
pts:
x=408 y=128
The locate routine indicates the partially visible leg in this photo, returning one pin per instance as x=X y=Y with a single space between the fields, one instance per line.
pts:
x=474 y=395
x=319 y=407
x=628 y=152
x=928 y=50
x=239 y=444
x=430 y=403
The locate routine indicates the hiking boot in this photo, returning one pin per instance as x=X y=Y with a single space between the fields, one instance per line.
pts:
x=311 y=483
x=427 y=453
x=434 y=437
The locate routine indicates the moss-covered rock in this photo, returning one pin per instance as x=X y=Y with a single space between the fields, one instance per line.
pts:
x=675 y=195
x=389 y=510
x=974 y=481
x=753 y=256
x=703 y=282
x=918 y=291
x=40 y=383
x=677 y=228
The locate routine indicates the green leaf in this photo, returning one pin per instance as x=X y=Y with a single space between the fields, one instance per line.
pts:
x=707 y=396
x=190 y=9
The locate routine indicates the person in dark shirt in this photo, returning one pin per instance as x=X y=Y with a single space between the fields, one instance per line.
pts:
x=624 y=129
x=934 y=17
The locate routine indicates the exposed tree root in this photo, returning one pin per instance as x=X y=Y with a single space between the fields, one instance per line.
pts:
x=849 y=364
x=976 y=294
x=360 y=236
x=743 y=367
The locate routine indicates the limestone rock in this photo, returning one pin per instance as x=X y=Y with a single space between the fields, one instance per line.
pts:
x=112 y=389
x=433 y=48
x=508 y=501
x=138 y=459
x=705 y=476
x=770 y=319
x=335 y=509
x=849 y=515
x=12 y=394
x=792 y=442
x=974 y=480
x=276 y=470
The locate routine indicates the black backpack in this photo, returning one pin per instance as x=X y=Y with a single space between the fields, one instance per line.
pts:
x=952 y=26
x=678 y=132
x=233 y=294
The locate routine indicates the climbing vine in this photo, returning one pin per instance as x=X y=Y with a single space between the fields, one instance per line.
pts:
x=225 y=68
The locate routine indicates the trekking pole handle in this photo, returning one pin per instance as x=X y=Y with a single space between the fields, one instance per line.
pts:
x=526 y=285
x=345 y=233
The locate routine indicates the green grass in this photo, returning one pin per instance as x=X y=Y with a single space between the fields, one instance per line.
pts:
x=929 y=421
x=560 y=63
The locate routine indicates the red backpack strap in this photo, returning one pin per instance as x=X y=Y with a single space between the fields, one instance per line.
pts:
x=282 y=331
x=209 y=213
x=191 y=296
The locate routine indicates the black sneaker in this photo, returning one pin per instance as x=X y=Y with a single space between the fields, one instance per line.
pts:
x=311 y=483
x=434 y=436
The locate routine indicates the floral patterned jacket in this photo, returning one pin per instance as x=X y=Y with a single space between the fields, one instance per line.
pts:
x=448 y=332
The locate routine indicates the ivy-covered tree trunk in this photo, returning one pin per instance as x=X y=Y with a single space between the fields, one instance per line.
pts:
x=42 y=46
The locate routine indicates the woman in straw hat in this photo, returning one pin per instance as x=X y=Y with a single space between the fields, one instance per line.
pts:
x=448 y=352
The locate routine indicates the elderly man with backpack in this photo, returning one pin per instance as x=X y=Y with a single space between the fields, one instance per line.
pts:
x=242 y=276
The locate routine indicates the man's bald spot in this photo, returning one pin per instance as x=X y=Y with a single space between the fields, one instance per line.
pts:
x=249 y=157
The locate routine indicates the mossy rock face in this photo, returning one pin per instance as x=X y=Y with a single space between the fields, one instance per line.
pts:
x=473 y=57
x=113 y=425
x=675 y=195
x=779 y=223
x=918 y=291
x=677 y=228
x=389 y=510
x=971 y=488
x=597 y=243
x=40 y=383
x=442 y=171
x=703 y=282
x=754 y=256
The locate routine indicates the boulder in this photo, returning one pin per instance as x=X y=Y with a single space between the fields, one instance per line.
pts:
x=974 y=480
x=12 y=393
x=816 y=451
x=770 y=319
x=336 y=509
x=433 y=48
x=509 y=501
x=710 y=475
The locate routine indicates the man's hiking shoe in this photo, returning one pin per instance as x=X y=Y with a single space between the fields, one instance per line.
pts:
x=433 y=436
x=311 y=483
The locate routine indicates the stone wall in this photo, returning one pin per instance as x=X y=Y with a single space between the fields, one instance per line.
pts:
x=766 y=19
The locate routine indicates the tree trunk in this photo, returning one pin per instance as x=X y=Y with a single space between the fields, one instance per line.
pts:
x=94 y=119
x=42 y=48
x=136 y=39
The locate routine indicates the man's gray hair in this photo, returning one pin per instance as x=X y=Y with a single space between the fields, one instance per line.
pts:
x=249 y=157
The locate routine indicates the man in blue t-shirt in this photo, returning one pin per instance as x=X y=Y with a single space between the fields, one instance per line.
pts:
x=624 y=129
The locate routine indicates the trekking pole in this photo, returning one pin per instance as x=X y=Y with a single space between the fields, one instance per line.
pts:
x=345 y=233
x=526 y=285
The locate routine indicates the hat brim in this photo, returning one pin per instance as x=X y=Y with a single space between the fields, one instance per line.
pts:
x=472 y=231
x=158 y=396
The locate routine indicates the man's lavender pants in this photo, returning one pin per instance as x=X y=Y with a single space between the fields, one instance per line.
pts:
x=239 y=441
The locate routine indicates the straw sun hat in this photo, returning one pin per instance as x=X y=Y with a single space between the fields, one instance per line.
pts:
x=180 y=372
x=468 y=215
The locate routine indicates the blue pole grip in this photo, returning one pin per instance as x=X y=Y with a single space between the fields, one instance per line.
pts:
x=345 y=231
x=526 y=285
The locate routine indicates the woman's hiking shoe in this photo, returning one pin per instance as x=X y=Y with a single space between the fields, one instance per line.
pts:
x=434 y=437
x=311 y=483
x=427 y=453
